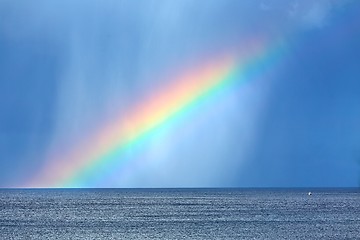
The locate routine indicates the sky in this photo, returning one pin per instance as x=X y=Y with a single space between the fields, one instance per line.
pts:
x=150 y=93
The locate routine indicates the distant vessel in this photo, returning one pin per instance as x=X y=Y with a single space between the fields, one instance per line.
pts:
x=309 y=193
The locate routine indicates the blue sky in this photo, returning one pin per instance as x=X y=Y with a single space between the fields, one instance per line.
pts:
x=65 y=66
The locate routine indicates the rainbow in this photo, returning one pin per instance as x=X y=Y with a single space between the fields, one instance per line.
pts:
x=184 y=94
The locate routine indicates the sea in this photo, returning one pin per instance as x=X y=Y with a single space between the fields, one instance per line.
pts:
x=179 y=214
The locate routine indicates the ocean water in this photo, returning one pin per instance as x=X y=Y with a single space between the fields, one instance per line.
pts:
x=179 y=214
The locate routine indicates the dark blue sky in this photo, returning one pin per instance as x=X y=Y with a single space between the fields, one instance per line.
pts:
x=65 y=67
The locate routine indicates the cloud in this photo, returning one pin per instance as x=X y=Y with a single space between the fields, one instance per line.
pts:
x=303 y=13
x=317 y=14
x=265 y=6
x=314 y=13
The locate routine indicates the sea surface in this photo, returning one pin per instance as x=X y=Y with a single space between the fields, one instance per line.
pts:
x=179 y=214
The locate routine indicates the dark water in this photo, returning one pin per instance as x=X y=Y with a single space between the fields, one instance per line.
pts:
x=179 y=214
